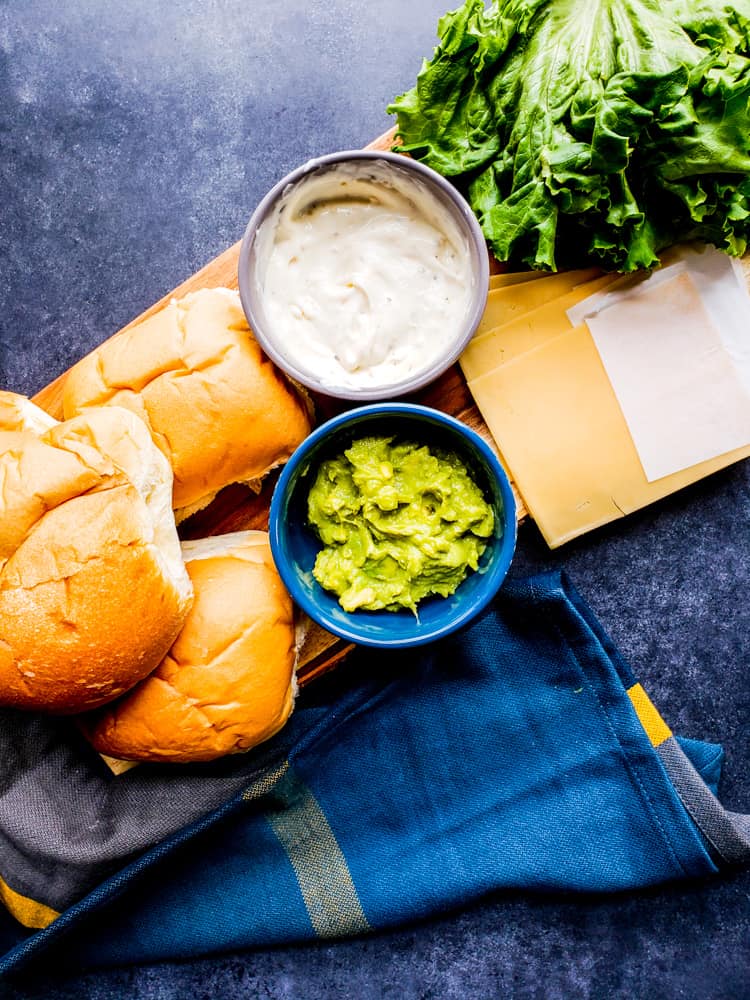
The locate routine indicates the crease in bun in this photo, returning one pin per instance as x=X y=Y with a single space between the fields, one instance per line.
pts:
x=93 y=589
x=128 y=444
x=215 y=405
x=18 y=413
x=228 y=682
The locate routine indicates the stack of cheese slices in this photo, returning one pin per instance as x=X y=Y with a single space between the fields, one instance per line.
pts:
x=554 y=404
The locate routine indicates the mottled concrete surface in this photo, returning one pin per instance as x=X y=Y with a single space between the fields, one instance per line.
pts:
x=135 y=140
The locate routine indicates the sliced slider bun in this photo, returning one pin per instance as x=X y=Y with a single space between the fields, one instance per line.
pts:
x=228 y=681
x=220 y=411
x=93 y=589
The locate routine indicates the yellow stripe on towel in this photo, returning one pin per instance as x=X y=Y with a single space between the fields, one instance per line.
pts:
x=323 y=875
x=26 y=911
x=656 y=728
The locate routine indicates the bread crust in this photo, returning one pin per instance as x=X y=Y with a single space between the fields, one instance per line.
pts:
x=227 y=683
x=217 y=407
x=17 y=413
x=91 y=594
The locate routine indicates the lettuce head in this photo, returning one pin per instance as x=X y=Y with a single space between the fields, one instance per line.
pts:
x=590 y=130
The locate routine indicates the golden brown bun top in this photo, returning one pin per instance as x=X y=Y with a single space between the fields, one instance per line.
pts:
x=217 y=407
x=227 y=683
x=92 y=586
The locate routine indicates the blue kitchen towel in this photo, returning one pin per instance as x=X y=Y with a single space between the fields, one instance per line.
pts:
x=520 y=753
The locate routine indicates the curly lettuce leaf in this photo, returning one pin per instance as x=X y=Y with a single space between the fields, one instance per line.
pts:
x=602 y=131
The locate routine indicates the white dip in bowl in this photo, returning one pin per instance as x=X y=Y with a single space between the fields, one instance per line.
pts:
x=361 y=275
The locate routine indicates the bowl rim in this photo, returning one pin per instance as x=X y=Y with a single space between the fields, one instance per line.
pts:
x=250 y=297
x=495 y=576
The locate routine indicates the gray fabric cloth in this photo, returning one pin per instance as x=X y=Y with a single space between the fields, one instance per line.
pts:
x=59 y=845
x=727 y=832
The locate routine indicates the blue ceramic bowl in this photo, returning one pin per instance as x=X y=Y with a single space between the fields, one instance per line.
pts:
x=295 y=545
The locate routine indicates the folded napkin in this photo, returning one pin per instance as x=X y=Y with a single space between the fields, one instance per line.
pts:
x=520 y=753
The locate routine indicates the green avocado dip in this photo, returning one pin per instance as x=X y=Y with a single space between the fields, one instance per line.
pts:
x=398 y=521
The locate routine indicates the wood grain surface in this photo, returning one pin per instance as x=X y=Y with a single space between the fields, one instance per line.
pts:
x=236 y=508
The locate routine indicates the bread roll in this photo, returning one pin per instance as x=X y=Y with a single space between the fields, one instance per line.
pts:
x=93 y=589
x=216 y=406
x=18 y=413
x=227 y=683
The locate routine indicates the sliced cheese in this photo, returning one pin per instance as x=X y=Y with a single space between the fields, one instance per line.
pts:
x=515 y=278
x=509 y=301
x=528 y=329
x=557 y=422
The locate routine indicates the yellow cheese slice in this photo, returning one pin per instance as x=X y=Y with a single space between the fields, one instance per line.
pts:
x=515 y=278
x=556 y=420
x=527 y=330
x=505 y=303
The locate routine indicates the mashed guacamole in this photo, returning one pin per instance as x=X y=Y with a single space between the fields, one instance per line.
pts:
x=398 y=521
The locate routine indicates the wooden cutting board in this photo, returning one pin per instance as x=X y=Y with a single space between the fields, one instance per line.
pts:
x=236 y=508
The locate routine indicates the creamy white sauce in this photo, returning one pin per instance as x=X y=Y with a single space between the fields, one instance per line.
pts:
x=365 y=276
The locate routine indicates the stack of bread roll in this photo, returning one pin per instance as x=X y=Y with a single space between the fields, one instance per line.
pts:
x=174 y=652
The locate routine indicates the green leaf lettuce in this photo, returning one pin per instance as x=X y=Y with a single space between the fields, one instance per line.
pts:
x=591 y=129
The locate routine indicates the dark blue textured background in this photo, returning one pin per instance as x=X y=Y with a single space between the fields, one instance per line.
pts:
x=135 y=139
